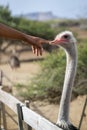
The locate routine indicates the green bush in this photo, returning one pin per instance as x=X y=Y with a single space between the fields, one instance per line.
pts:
x=81 y=77
x=5 y=14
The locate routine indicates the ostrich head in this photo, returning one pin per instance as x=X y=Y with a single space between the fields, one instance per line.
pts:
x=65 y=40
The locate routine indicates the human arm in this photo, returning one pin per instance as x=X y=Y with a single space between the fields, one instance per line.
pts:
x=36 y=42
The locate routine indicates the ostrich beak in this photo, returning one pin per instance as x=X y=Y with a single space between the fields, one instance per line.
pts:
x=58 y=41
x=54 y=42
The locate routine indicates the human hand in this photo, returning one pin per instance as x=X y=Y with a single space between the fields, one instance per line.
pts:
x=37 y=50
x=36 y=43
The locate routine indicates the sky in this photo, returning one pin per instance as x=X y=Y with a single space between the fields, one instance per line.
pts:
x=60 y=8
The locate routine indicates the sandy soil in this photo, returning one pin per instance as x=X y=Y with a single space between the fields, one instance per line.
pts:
x=49 y=111
x=20 y=75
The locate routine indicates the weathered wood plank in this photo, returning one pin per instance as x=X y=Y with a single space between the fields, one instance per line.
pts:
x=27 y=127
x=9 y=100
x=36 y=121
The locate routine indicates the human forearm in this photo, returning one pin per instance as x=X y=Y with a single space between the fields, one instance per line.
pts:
x=11 y=33
x=36 y=42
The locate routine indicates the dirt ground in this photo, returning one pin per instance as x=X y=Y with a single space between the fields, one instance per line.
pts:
x=49 y=111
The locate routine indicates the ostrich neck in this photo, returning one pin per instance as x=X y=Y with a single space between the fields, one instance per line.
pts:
x=68 y=84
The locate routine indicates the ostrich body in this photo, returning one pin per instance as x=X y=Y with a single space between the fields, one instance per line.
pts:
x=14 y=60
x=67 y=41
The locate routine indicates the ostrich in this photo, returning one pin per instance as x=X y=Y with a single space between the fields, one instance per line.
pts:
x=14 y=60
x=67 y=41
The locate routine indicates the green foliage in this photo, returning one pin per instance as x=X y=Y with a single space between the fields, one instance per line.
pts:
x=81 y=77
x=5 y=14
x=36 y=28
x=82 y=60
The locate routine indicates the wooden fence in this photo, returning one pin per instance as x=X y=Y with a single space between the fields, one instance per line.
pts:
x=25 y=114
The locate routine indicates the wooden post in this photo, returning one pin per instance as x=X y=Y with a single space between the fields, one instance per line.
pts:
x=20 y=117
x=1 y=76
x=4 y=116
x=27 y=103
x=84 y=107
x=0 y=115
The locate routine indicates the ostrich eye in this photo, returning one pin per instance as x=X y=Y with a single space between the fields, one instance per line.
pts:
x=66 y=37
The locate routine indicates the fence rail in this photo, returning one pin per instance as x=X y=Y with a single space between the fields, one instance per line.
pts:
x=30 y=117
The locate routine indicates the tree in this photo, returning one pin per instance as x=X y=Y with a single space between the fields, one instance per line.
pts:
x=5 y=14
